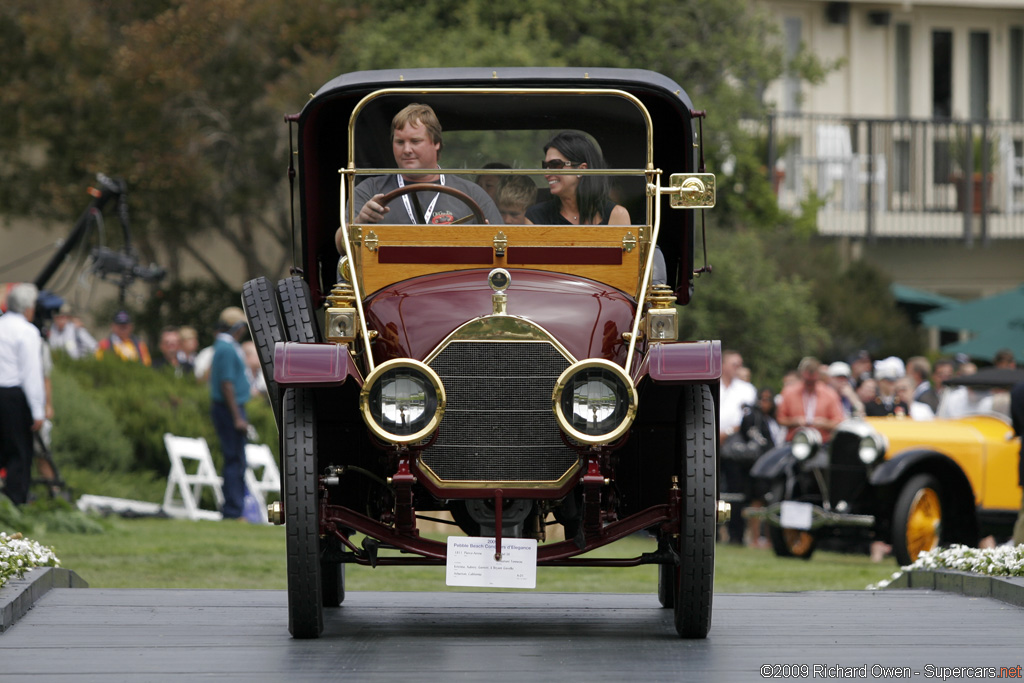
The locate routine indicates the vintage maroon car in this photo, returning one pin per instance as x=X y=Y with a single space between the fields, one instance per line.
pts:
x=510 y=376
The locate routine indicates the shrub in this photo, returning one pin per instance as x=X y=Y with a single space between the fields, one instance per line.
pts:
x=86 y=432
x=146 y=404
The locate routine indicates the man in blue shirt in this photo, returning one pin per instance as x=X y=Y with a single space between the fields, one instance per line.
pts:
x=229 y=392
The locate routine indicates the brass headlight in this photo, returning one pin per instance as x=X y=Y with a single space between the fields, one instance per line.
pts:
x=594 y=401
x=402 y=401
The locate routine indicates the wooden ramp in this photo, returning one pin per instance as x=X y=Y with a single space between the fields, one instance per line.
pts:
x=104 y=635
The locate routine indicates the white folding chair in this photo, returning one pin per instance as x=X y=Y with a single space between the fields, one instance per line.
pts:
x=192 y=470
x=260 y=459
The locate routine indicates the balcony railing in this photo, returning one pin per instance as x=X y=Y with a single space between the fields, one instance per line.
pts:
x=900 y=178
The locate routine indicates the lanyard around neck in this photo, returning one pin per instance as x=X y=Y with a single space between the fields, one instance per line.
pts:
x=408 y=204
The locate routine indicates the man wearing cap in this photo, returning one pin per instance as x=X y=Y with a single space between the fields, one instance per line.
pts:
x=123 y=343
x=229 y=392
x=839 y=378
x=67 y=334
x=22 y=389
x=809 y=403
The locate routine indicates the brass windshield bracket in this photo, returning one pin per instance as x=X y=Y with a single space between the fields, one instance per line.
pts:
x=371 y=241
x=628 y=242
x=500 y=244
x=691 y=190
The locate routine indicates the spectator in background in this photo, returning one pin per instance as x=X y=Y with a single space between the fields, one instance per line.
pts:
x=68 y=335
x=189 y=348
x=861 y=368
x=1004 y=359
x=867 y=391
x=22 y=389
x=887 y=371
x=942 y=372
x=169 y=346
x=811 y=403
x=123 y=343
x=734 y=396
x=998 y=400
x=918 y=371
x=839 y=379
x=916 y=410
x=958 y=401
x=758 y=426
x=229 y=392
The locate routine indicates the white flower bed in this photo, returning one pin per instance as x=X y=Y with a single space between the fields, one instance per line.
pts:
x=1004 y=560
x=18 y=555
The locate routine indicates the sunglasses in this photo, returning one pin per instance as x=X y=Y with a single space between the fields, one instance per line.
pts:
x=557 y=164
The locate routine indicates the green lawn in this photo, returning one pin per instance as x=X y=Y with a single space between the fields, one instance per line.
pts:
x=163 y=553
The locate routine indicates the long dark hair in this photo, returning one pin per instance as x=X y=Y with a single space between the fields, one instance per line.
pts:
x=592 y=190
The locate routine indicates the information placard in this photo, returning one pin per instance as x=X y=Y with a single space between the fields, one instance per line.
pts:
x=471 y=563
x=794 y=515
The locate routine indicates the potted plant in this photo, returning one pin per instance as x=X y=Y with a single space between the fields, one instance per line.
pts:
x=983 y=157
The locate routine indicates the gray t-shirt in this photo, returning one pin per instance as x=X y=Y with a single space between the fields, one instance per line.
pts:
x=443 y=208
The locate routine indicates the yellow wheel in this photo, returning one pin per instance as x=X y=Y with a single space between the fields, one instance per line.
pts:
x=917 y=518
x=792 y=542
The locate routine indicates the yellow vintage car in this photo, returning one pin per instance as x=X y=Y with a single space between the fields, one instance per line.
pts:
x=913 y=484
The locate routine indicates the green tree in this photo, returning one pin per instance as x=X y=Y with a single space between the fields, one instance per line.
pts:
x=747 y=302
x=181 y=99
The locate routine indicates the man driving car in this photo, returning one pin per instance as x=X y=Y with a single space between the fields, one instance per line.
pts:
x=416 y=144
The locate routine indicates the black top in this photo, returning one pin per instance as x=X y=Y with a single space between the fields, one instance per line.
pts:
x=550 y=213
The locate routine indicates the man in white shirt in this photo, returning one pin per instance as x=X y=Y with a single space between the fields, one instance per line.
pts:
x=734 y=394
x=22 y=392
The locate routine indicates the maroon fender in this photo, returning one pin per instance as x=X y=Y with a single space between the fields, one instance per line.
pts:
x=682 y=362
x=316 y=365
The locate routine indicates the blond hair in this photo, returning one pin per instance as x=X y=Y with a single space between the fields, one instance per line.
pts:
x=516 y=191
x=422 y=113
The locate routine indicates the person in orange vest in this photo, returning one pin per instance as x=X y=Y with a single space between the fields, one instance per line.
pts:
x=123 y=343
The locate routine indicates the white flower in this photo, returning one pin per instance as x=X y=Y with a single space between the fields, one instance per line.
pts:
x=1004 y=560
x=18 y=555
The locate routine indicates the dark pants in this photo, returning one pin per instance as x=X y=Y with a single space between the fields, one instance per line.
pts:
x=16 y=443
x=232 y=445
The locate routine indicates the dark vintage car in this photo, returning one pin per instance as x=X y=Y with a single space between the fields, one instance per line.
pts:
x=510 y=376
x=916 y=485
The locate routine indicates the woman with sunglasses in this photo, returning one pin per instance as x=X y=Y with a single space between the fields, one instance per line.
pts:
x=575 y=199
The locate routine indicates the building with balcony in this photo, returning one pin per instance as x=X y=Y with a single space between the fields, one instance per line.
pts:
x=911 y=152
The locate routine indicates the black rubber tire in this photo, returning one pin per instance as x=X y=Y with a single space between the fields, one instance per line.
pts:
x=696 y=545
x=667 y=585
x=298 y=316
x=902 y=512
x=790 y=542
x=302 y=524
x=264 y=316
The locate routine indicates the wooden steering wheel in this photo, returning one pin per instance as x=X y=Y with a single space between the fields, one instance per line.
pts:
x=431 y=187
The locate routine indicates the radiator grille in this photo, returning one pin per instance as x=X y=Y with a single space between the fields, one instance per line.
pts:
x=499 y=425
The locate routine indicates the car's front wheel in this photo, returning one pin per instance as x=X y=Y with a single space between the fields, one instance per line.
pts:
x=917 y=518
x=696 y=544
x=302 y=524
